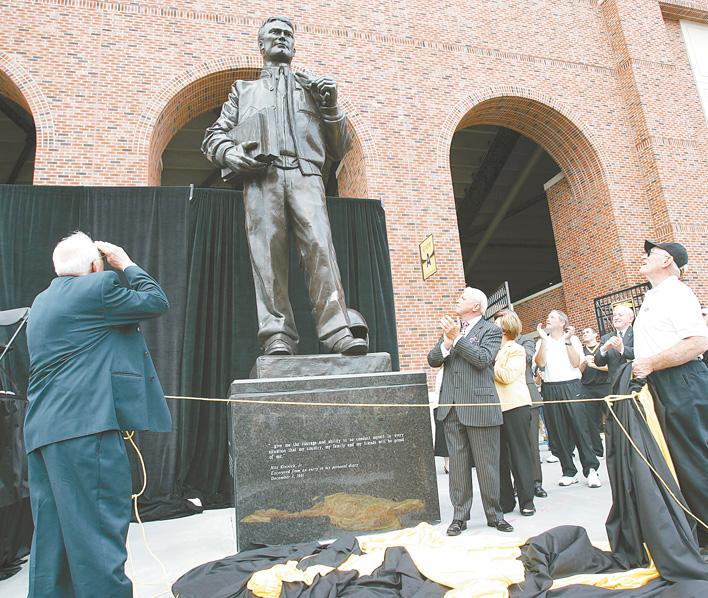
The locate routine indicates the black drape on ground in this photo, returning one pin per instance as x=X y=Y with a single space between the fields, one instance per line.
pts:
x=643 y=511
x=566 y=551
x=227 y=578
x=560 y=552
x=197 y=250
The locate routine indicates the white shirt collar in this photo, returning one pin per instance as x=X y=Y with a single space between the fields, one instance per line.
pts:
x=473 y=322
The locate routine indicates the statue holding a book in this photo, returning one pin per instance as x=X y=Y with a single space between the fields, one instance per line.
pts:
x=275 y=133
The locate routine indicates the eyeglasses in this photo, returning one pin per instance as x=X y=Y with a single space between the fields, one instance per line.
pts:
x=653 y=251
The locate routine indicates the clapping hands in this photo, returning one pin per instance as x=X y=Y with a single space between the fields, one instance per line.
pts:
x=451 y=328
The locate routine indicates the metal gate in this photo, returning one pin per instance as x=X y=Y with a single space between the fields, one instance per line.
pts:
x=632 y=296
x=498 y=300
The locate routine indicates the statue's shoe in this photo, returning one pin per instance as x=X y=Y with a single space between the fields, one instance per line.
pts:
x=278 y=347
x=348 y=345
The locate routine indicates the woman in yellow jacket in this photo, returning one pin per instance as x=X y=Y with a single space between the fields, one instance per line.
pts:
x=516 y=449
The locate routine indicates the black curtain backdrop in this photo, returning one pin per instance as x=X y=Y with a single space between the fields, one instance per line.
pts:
x=197 y=250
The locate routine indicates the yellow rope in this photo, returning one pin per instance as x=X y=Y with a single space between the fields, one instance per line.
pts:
x=608 y=399
x=656 y=473
x=129 y=437
x=426 y=405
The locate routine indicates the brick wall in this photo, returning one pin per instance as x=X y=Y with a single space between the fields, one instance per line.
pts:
x=351 y=179
x=535 y=310
x=604 y=88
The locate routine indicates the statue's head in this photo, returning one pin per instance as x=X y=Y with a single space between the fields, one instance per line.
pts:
x=276 y=40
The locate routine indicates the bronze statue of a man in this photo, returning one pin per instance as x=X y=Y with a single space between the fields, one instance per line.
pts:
x=299 y=119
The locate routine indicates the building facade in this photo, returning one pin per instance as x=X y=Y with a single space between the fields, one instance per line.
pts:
x=607 y=89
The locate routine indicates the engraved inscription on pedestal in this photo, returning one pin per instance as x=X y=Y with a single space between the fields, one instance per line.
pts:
x=304 y=472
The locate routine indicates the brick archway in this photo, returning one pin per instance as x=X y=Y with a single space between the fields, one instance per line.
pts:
x=545 y=120
x=17 y=84
x=206 y=87
x=580 y=205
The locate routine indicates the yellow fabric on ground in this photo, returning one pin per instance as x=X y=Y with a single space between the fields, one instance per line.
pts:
x=459 y=562
x=480 y=566
x=623 y=580
x=471 y=566
x=268 y=582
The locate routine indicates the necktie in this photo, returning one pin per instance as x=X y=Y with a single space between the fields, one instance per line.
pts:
x=463 y=327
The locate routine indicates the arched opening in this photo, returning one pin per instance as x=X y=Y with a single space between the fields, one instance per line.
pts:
x=18 y=137
x=175 y=154
x=504 y=224
x=521 y=174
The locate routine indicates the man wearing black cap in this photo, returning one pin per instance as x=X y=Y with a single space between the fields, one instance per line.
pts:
x=669 y=336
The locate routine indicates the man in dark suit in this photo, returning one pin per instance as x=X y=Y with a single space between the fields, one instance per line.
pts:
x=91 y=376
x=467 y=350
x=306 y=127
x=617 y=348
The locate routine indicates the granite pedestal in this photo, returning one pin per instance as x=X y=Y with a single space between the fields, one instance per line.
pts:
x=307 y=472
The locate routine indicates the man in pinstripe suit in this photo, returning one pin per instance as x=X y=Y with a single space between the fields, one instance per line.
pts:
x=467 y=350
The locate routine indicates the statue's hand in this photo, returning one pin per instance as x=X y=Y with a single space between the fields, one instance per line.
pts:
x=238 y=160
x=326 y=89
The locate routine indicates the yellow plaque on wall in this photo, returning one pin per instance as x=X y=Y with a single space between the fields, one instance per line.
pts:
x=427 y=257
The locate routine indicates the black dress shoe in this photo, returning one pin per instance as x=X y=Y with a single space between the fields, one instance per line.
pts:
x=456 y=527
x=539 y=491
x=502 y=525
x=528 y=511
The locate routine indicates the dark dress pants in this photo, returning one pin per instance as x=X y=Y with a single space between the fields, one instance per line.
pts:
x=516 y=459
x=276 y=202
x=681 y=399
x=465 y=444
x=440 y=446
x=567 y=426
x=80 y=492
x=535 y=452
x=594 y=411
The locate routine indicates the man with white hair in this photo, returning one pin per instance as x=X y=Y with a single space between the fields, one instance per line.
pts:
x=467 y=350
x=670 y=335
x=91 y=376
x=617 y=348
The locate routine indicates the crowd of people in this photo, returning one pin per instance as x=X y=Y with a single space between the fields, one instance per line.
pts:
x=492 y=383
x=84 y=335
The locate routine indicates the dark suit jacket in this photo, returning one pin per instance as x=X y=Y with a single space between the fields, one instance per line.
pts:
x=318 y=132
x=90 y=370
x=613 y=360
x=468 y=376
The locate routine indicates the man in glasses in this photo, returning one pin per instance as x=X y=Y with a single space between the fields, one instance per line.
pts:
x=669 y=337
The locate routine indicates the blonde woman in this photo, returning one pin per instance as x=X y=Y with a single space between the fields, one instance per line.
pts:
x=516 y=449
